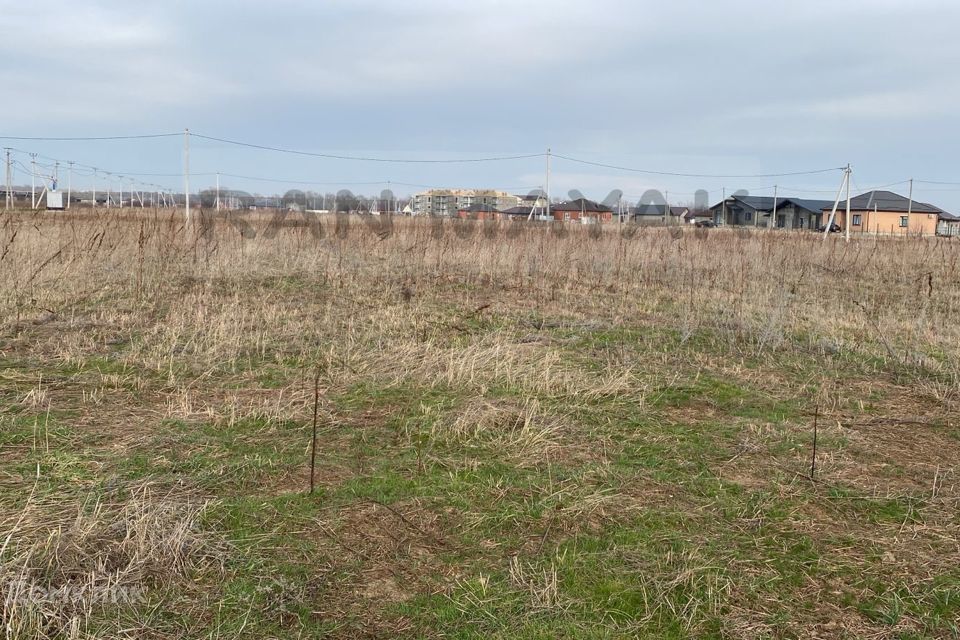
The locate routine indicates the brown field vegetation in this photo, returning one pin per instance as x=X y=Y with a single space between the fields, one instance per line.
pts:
x=523 y=430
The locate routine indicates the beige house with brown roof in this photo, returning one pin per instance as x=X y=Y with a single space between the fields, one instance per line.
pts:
x=888 y=213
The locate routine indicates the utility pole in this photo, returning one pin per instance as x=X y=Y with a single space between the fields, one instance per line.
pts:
x=910 y=207
x=723 y=205
x=773 y=214
x=844 y=183
x=33 y=181
x=218 y=191
x=186 y=174
x=121 y=191
x=847 y=225
x=109 y=186
x=69 y=183
x=548 y=184
x=8 y=200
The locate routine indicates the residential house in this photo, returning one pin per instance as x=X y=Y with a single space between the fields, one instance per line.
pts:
x=658 y=214
x=741 y=210
x=521 y=213
x=949 y=225
x=479 y=212
x=693 y=216
x=758 y=211
x=798 y=213
x=582 y=210
x=885 y=212
x=533 y=200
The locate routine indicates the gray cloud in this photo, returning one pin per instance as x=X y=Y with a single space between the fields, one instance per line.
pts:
x=738 y=86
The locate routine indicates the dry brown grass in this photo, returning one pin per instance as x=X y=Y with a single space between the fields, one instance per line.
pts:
x=566 y=358
x=67 y=567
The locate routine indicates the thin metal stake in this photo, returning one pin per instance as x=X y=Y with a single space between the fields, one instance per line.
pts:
x=813 y=461
x=313 y=445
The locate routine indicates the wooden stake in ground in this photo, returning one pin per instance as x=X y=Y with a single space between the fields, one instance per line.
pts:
x=313 y=443
x=813 y=460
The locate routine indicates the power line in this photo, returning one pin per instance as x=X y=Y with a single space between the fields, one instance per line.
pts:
x=367 y=158
x=97 y=170
x=131 y=174
x=94 y=171
x=695 y=175
x=789 y=189
x=952 y=184
x=91 y=138
x=302 y=182
x=672 y=192
x=501 y=158
x=883 y=186
x=341 y=184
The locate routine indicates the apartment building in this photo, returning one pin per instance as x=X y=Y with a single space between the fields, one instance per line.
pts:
x=448 y=202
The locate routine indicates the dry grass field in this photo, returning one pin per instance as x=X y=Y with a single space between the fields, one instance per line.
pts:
x=521 y=431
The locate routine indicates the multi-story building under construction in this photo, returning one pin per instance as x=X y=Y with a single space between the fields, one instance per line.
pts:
x=448 y=202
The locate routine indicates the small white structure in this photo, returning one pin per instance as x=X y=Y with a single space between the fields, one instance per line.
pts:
x=55 y=200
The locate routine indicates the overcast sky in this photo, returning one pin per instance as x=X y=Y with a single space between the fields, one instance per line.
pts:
x=725 y=87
